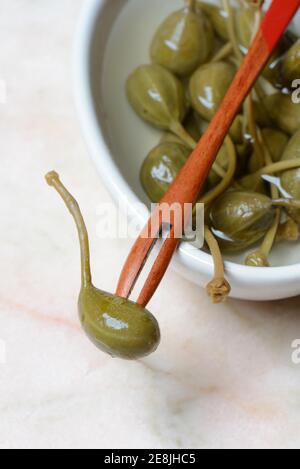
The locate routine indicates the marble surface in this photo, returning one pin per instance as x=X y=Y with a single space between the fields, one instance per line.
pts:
x=223 y=376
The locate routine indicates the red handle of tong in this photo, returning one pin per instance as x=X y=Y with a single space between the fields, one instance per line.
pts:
x=277 y=20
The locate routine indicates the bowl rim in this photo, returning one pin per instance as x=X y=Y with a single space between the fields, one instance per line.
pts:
x=117 y=185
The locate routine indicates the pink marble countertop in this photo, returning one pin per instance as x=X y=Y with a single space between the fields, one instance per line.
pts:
x=223 y=376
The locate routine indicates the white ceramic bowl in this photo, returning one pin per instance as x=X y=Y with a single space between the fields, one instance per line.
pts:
x=112 y=39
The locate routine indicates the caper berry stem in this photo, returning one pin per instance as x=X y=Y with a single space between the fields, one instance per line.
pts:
x=286 y=203
x=231 y=30
x=180 y=131
x=258 y=147
x=53 y=180
x=268 y=159
x=268 y=156
x=218 y=289
x=257 y=7
x=270 y=237
x=258 y=144
x=223 y=53
x=218 y=170
x=249 y=118
x=227 y=180
x=216 y=252
x=260 y=258
x=256 y=3
x=279 y=167
x=248 y=106
x=191 y=4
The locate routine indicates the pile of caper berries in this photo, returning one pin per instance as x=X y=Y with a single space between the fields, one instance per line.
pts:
x=195 y=54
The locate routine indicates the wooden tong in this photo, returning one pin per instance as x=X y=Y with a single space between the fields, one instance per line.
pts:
x=190 y=180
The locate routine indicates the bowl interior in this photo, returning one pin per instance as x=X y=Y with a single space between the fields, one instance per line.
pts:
x=120 y=43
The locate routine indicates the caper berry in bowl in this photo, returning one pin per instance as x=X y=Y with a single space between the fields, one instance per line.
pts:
x=149 y=76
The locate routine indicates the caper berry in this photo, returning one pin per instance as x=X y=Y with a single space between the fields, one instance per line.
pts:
x=115 y=325
x=182 y=42
x=208 y=86
x=291 y=64
x=240 y=219
x=203 y=44
x=218 y=17
x=159 y=98
x=156 y=95
x=244 y=25
x=275 y=141
x=161 y=167
x=252 y=182
x=284 y=113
